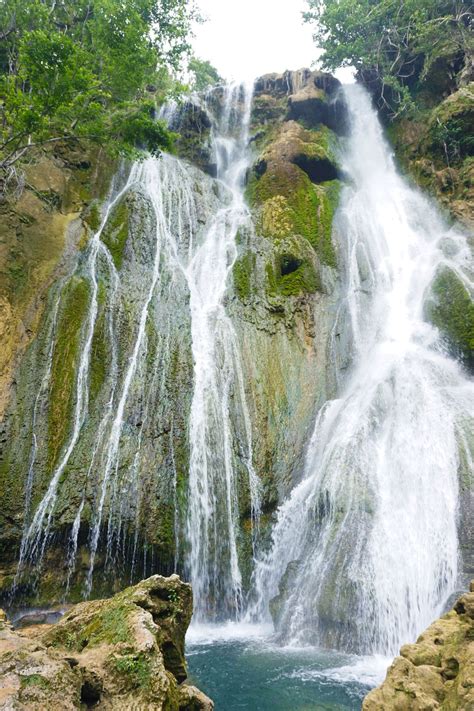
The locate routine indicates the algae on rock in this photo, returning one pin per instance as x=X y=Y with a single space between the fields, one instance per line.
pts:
x=124 y=653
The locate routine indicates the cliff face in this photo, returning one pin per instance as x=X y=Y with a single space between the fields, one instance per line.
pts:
x=122 y=653
x=282 y=301
x=285 y=277
x=438 y=671
x=43 y=224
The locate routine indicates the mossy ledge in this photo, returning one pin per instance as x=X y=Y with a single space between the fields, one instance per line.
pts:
x=122 y=653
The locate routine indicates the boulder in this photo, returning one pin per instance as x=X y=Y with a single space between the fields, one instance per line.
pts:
x=123 y=653
x=435 y=673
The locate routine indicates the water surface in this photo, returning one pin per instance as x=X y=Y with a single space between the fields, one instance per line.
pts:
x=240 y=668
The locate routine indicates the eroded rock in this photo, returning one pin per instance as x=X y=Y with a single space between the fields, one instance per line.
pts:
x=435 y=673
x=123 y=653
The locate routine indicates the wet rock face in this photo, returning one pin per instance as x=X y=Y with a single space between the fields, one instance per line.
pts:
x=193 y=125
x=122 y=653
x=312 y=97
x=438 y=671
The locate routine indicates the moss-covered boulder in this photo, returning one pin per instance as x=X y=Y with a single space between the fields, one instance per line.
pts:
x=451 y=309
x=123 y=653
x=435 y=673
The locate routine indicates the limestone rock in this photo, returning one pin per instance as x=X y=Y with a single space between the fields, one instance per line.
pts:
x=435 y=673
x=192 y=699
x=123 y=653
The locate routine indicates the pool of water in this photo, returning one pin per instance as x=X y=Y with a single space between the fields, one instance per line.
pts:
x=240 y=668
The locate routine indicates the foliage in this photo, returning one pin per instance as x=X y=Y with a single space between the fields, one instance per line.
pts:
x=91 y=69
x=393 y=44
x=136 y=668
x=203 y=74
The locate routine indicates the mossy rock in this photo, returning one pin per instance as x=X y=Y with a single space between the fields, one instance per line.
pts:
x=289 y=204
x=296 y=214
x=450 y=125
x=100 y=348
x=242 y=273
x=66 y=355
x=451 y=309
x=116 y=231
x=293 y=271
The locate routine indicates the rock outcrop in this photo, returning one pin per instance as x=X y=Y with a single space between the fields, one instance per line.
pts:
x=435 y=673
x=124 y=653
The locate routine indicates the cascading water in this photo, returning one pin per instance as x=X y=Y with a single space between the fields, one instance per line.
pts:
x=168 y=292
x=368 y=539
x=212 y=525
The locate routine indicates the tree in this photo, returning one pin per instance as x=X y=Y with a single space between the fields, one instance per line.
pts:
x=90 y=69
x=203 y=74
x=391 y=43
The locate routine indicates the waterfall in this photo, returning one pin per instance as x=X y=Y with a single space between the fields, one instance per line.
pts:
x=212 y=523
x=364 y=551
x=164 y=300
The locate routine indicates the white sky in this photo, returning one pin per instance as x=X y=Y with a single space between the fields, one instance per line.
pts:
x=244 y=39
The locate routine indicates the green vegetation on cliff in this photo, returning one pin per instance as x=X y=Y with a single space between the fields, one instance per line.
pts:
x=64 y=365
x=393 y=46
x=82 y=69
x=451 y=309
x=291 y=205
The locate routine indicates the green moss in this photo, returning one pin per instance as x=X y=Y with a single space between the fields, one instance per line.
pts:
x=301 y=279
x=297 y=215
x=317 y=143
x=99 y=349
x=64 y=366
x=106 y=627
x=111 y=627
x=34 y=680
x=17 y=273
x=136 y=668
x=450 y=126
x=291 y=205
x=328 y=198
x=451 y=309
x=161 y=533
x=115 y=233
x=242 y=274
x=92 y=217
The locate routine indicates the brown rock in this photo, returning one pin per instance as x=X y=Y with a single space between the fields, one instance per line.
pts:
x=435 y=673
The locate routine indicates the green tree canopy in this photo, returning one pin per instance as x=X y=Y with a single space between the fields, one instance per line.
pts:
x=203 y=74
x=391 y=43
x=88 y=69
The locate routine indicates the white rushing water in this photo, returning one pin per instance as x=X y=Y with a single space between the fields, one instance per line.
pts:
x=371 y=530
x=212 y=524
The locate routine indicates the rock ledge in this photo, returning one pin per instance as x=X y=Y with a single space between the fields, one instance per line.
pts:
x=435 y=673
x=123 y=653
